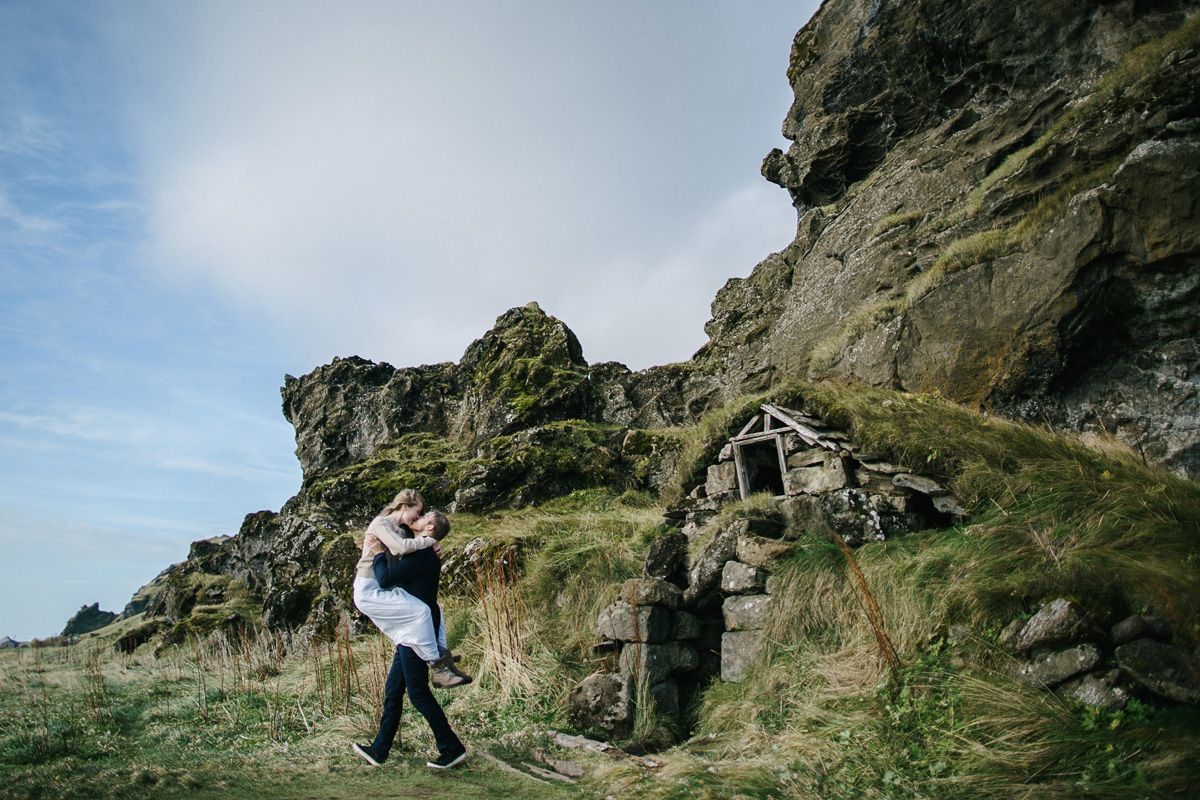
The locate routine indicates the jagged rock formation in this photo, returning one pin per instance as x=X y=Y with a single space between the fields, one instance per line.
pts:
x=523 y=418
x=529 y=370
x=997 y=202
x=86 y=620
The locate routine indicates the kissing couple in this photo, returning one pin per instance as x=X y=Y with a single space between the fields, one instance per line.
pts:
x=396 y=587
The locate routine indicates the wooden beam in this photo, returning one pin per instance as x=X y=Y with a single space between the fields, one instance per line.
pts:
x=806 y=433
x=782 y=463
x=743 y=479
x=751 y=425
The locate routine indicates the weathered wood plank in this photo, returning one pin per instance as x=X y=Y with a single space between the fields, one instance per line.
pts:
x=805 y=432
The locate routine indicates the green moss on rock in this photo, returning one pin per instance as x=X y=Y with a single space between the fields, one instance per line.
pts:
x=432 y=465
x=544 y=462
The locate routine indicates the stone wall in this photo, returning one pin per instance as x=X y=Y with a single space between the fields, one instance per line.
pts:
x=705 y=599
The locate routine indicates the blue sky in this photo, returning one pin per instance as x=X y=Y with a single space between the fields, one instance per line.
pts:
x=196 y=199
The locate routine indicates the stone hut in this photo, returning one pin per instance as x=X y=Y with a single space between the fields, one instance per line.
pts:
x=705 y=598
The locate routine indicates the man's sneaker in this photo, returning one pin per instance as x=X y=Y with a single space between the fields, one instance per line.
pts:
x=447 y=761
x=364 y=750
x=444 y=676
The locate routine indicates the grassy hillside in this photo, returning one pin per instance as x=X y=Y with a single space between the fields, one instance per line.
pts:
x=820 y=715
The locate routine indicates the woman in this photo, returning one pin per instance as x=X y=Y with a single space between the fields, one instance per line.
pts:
x=401 y=617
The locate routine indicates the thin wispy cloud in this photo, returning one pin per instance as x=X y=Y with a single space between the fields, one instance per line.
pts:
x=86 y=423
x=22 y=220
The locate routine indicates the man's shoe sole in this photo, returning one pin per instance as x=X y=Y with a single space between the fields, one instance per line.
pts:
x=461 y=758
x=366 y=755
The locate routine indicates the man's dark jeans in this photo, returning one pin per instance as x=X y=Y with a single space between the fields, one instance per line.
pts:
x=409 y=671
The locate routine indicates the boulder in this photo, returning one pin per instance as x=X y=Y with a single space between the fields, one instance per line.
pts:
x=807 y=457
x=855 y=515
x=829 y=476
x=1011 y=634
x=919 y=483
x=626 y=623
x=746 y=612
x=705 y=567
x=948 y=504
x=1167 y=671
x=1098 y=689
x=1057 y=622
x=739 y=578
x=1141 y=627
x=666 y=558
x=603 y=703
x=739 y=651
x=651 y=591
x=1055 y=667
x=755 y=551
x=722 y=479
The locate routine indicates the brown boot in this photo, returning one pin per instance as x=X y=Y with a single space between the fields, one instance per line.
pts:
x=443 y=675
x=452 y=660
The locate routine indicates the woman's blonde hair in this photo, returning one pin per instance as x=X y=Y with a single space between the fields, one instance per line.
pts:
x=405 y=497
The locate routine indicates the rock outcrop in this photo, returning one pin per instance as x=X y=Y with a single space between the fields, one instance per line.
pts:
x=86 y=620
x=527 y=371
x=997 y=203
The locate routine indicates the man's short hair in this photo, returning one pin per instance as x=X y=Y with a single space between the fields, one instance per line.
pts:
x=441 y=525
x=405 y=497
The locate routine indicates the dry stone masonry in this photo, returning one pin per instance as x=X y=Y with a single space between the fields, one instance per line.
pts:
x=1067 y=651
x=705 y=600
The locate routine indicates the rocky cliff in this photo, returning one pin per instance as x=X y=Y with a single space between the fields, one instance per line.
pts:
x=996 y=202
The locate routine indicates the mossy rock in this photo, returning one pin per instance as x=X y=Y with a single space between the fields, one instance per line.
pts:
x=335 y=569
x=544 y=462
x=529 y=369
x=432 y=465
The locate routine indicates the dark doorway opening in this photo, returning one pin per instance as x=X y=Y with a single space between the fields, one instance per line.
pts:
x=763 y=472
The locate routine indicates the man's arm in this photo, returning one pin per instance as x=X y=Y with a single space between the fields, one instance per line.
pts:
x=391 y=571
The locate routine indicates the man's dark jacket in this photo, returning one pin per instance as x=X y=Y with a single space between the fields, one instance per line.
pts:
x=416 y=573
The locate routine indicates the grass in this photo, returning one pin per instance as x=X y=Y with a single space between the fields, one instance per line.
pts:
x=821 y=714
x=84 y=723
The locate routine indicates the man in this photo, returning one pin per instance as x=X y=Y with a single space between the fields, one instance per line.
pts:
x=401 y=617
x=418 y=574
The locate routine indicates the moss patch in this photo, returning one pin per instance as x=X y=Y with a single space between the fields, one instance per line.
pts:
x=430 y=464
x=544 y=462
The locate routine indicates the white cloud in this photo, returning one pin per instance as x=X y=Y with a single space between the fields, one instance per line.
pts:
x=83 y=422
x=387 y=179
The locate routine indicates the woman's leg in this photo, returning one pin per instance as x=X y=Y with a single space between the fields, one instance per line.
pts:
x=403 y=618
